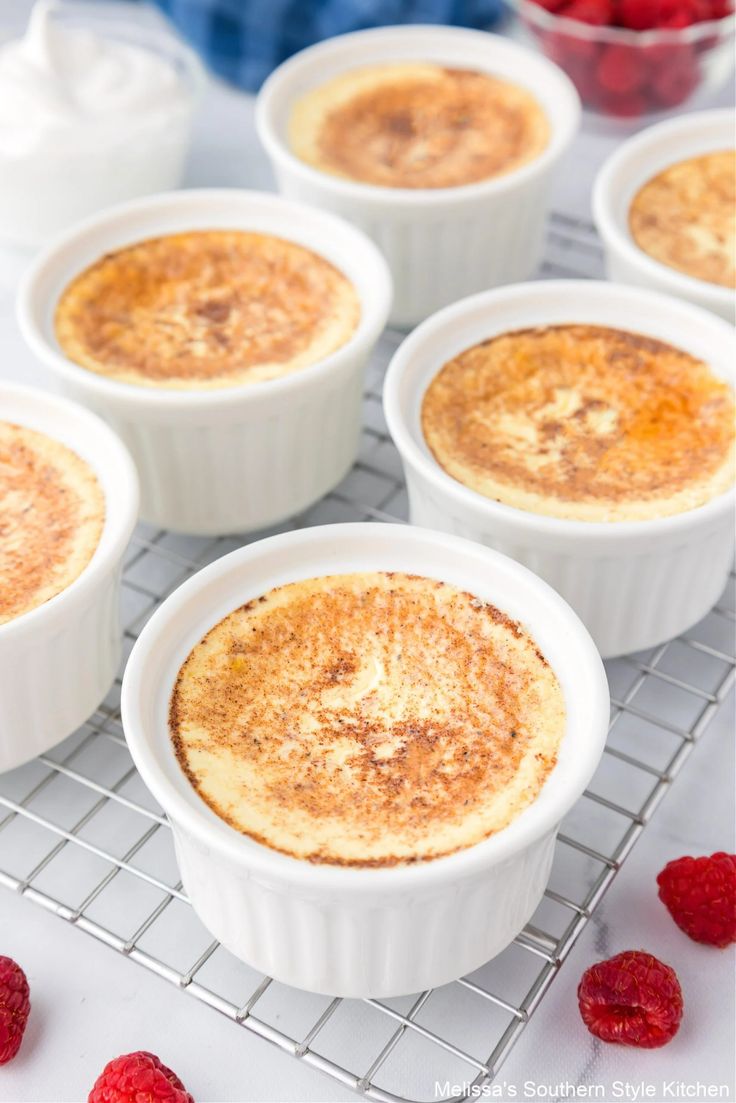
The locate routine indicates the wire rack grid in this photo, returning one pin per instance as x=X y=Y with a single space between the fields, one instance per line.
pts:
x=81 y=837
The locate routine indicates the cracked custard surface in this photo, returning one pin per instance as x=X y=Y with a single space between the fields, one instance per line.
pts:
x=204 y=309
x=685 y=217
x=583 y=422
x=417 y=125
x=367 y=719
x=52 y=511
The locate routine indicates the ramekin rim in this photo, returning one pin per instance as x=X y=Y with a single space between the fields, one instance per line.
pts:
x=382 y=196
x=261 y=860
x=375 y=308
x=120 y=520
x=614 y=235
x=544 y=524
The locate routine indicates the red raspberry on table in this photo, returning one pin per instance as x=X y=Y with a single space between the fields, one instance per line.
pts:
x=138 y=1078
x=632 y=999
x=15 y=1005
x=700 y=895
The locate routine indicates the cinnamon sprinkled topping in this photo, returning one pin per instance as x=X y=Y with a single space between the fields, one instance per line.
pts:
x=210 y=308
x=367 y=719
x=582 y=421
x=418 y=125
x=685 y=217
x=51 y=515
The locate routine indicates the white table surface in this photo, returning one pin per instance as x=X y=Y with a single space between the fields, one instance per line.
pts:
x=90 y=1004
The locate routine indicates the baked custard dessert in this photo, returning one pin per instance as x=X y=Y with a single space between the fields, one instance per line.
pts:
x=685 y=217
x=52 y=511
x=417 y=125
x=582 y=422
x=204 y=309
x=367 y=719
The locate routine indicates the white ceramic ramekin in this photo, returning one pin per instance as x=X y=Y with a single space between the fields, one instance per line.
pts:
x=626 y=171
x=234 y=459
x=58 y=661
x=634 y=584
x=362 y=932
x=440 y=243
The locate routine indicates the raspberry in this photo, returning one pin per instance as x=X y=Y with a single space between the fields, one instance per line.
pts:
x=700 y=895
x=719 y=9
x=584 y=79
x=674 y=82
x=644 y=15
x=662 y=55
x=625 y=107
x=677 y=21
x=702 y=10
x=597 y=12
x=620 y=70
x=638 y=15
x=632 y=999
x=570 y=51
x=15 y=1005
x=677 y=14
x=138 y=1078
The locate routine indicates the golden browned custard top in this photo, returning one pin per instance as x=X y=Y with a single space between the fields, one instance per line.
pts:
x=52 y=510
x=367 y=719
x=206 y=308
x=583 y=422
x=685 y=217
x=418 y=125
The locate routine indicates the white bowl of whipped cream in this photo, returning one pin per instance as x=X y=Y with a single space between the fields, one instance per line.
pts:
x=93 y=110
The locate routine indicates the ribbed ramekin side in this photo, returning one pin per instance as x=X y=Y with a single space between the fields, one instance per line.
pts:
x=243 y=469
x=360 y=945
x=439 y=254
x=55 y=677
x=628 y=599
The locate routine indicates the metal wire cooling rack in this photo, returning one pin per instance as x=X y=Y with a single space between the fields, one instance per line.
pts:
x=80 y=835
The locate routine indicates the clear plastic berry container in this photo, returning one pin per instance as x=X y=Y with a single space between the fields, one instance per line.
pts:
x=633 y=74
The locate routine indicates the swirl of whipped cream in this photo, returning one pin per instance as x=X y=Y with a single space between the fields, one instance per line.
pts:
x=64 y=88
